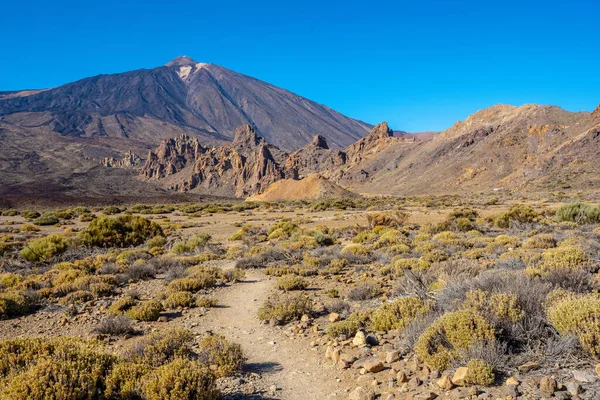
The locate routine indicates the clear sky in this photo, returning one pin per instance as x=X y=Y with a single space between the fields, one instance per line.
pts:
x=420 y=65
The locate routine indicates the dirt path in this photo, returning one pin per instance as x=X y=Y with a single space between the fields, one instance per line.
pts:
x=292 y=365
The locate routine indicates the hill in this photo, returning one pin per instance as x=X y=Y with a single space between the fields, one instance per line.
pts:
x=313 y=187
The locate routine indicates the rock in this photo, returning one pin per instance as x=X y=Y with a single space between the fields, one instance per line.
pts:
x=598 y=365
x=459 y=376
x=273 y=390
x=372 y=340
x=328 y=352
x=528 y=367
x=428 y=396
x=362 y=393
x=445 y=383
x=392 y=356
x=360 y=339
x=370 y=364
x=334 y=317
x=305 y=318
x=163 y=319
x=335 y=355
x=548 y=385
x=401 y=377
x=414 y=382
x=512 y=381
x=573 y=388
x=584 y=376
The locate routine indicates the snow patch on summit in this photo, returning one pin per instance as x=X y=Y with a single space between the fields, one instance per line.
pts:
x=186 y=71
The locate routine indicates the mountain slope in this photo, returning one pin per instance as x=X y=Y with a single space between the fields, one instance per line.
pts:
x=527 y=148
x=204 y=100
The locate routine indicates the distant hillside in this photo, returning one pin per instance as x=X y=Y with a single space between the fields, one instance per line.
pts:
x=203 y=100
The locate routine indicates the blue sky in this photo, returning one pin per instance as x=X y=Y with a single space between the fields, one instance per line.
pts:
x=420 y=65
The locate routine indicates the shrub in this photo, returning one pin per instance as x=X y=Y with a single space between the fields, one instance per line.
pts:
x=55 y=368
x=29 y=228
x=196 y=242
x=15 y=303
x=282 y=230
x=497 y=306
x=193 y=283
x=348 y=327
x=145 y=311
x=519 y=213
x=391 y=219
x=140 y=271
x=161 y=347
x=542 y=241
x=220 y=355
x=206 y=302
x=579 y=316
x=179 y=299
x=570 y=257
x=285 y=308
x=399 y=314
x=579 y=213
x=30 y=214
x=122 y=305
x=479 y=373
x=356 y=250
x=364 y=291
x=121 y=231
x=115 y=325
x=9 y=279
x=233 y=275
x=46 y=219
x=125 y=381
x=180 y=379
x=441 y=342
x=291 y=282
x=44 y=249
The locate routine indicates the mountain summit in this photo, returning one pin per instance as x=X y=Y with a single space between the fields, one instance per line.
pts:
x=180 y=61
x=182 y=97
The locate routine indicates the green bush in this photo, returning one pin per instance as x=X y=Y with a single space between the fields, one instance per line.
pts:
x=180 y=379
x=46 y=219
x=579 y=213
x=291 y=282
x=285 y=308
x=350 y=325
x=122 y=305
x=223 y=357
x=520 y=213
x=451 y=333
x=579 y=316
x=14 y=303
x=30 y=214
x=196 y=242
x=479 y=373
x=179 y=299
x=399 y=314
x=122 y=231
x=44 y=249
x=161 y=347
x=125 y=380
x=55 y=368
x=145 y=311
x=193 y=283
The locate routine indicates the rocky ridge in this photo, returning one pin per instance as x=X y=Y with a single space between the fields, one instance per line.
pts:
x=249 y=164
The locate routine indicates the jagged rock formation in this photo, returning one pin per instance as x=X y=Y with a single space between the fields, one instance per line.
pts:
x=246 y=166
x=130 y=160
x=249 y=165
